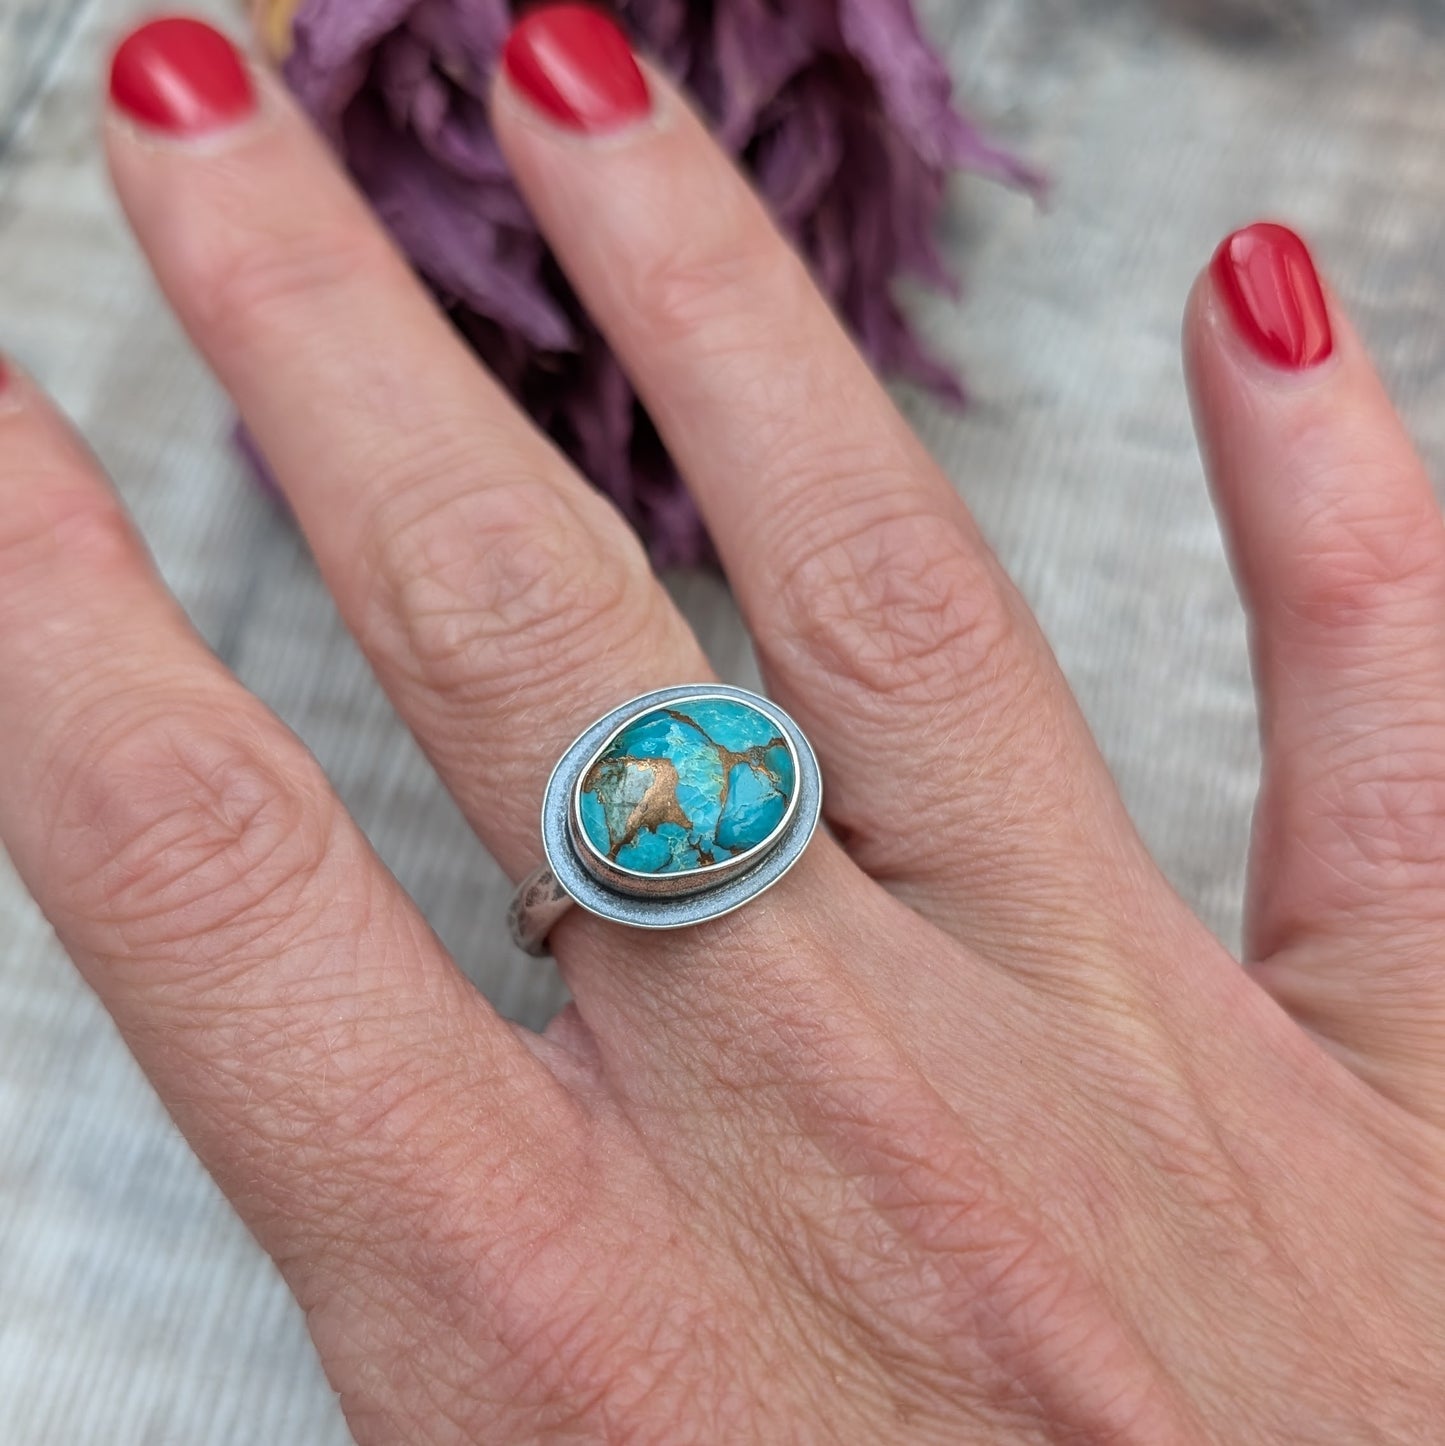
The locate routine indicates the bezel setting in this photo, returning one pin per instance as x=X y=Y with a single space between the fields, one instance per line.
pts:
x=676 y=900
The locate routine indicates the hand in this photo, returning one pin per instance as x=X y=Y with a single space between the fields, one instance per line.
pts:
x=968 y=1131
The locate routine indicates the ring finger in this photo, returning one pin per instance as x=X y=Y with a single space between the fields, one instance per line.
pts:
x=960 y=771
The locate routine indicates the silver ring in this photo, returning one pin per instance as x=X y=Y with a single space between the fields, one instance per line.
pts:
x=678 y=807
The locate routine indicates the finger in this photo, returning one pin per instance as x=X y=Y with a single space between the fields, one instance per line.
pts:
x=1339 y=550
x=502 y=602
x=291 y=1007
x=883 y=621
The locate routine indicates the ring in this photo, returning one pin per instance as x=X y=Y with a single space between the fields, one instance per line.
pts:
x=678 y=807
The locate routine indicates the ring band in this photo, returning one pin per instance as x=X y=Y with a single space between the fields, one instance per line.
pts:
x=675 y=808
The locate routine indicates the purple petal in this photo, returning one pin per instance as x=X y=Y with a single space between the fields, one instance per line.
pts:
x=917 y=91
x=466 y=39
x=839 y=108
x=800 y=151
x=332 y=41
x=401 y=68
x=915 y=88
x=756 y=51
x=471 y=242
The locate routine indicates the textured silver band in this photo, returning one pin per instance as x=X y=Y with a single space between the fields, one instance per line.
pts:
x=566 y=878
x=540 y=901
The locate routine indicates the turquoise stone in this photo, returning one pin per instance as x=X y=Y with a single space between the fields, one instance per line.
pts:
x=688 y=785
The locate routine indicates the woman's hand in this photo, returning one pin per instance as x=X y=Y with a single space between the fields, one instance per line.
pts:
x=968 y=1131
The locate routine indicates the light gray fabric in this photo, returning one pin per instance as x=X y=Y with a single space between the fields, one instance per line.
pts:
x=134 y=1310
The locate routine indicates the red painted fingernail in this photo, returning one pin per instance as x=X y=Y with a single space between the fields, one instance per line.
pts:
x=181 y=77
x=575 y=65
x=1266 y=276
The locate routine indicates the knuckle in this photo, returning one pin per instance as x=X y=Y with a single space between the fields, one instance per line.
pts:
x=173 y=836
x=894 y=603
x=495 y=586
x=1389 y=803
x=248 y=279
x=1364 y=548
x=58 y=519
x=715 y=287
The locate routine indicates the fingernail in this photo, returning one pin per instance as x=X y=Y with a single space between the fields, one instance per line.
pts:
x=1272 y=289
x=574 y=64
x=181 y=77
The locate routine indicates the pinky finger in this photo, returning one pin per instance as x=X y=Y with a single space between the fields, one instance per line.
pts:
x=287 y=1001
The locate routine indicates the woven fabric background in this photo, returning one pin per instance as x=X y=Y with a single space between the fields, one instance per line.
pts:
x=134 y=1310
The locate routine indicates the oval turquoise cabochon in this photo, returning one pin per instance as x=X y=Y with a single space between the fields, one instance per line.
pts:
x=688 y=785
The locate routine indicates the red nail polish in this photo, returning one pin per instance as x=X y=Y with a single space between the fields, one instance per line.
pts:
x=1270 y=284
x=181 y=77
x=575 y=65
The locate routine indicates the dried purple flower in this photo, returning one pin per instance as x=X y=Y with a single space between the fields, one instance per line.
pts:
x=838 y=108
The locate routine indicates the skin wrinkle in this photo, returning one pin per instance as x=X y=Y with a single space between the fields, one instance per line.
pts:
x=906 y=611
x=1369 y=830
x=521 y=529
x=242 y=285
x=187 y=838
x=1317 y=987
x=1110 y=1126
x=714 y=302
x=1257 y=1147
x=957 y=1222
x=710 y=1044
x=447 y=1279
x=250 y=253
x=808 y=1334
x=876 y=476
x=53 y=519
x=499 y=564
x=830 y=1013
x=1342 y=587
x=688 y=289
x=748 y=1228
x=532 y=607
x=549 y=1353
x=867 y=821
x=1396 y=824
x=871 y=833
x=87 y=708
